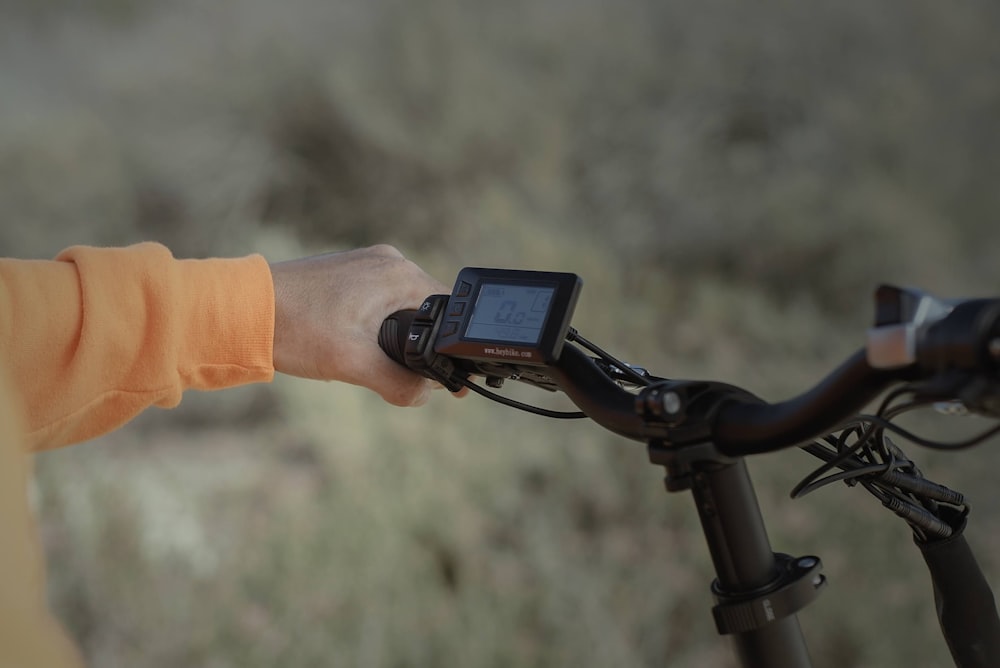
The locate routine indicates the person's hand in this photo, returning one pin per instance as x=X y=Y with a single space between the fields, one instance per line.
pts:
x=328 y=311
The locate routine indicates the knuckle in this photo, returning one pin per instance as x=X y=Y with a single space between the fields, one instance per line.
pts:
x=385 y=250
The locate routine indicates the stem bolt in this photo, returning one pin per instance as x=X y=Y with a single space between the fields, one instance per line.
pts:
x=671 y=403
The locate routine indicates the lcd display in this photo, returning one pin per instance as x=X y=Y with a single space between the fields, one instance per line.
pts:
x=510 y=313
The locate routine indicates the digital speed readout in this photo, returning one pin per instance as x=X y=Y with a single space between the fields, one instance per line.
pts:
x=510 y=313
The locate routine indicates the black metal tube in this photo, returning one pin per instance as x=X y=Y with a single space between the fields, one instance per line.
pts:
x=744 y=562
x=734 y=528
x=595 y=394
x=745 y=428
x=965 y=606
x=740 y=427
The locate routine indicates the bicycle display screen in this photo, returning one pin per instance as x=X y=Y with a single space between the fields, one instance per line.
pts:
x=508 y=315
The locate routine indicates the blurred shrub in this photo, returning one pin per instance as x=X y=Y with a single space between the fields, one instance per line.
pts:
x=730 y=180
x=335 y=185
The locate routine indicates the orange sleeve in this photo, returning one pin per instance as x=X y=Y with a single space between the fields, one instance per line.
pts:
x=98 y=334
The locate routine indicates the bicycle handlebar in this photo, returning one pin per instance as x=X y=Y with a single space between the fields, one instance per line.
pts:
x=743 y=425
x=953 y=348
x=966 y=610
x=743 y=428
x=964 y=341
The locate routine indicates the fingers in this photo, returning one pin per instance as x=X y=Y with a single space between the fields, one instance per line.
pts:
x=328 y=311
x=403 y=389
x=367 y=366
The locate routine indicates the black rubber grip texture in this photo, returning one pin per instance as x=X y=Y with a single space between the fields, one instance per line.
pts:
x=392 y=335
x=965 y=605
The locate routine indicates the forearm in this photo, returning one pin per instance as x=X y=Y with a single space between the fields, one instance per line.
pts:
x=97 y=335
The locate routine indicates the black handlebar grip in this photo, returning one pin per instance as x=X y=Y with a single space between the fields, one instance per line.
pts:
x=966 y=609
x=393 y=332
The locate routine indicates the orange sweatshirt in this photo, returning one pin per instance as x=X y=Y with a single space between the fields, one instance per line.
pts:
x=88 y=341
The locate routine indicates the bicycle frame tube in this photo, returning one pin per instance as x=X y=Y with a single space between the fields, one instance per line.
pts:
x=744 y=562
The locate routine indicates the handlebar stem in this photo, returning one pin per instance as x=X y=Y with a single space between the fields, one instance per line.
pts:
x=756 y=602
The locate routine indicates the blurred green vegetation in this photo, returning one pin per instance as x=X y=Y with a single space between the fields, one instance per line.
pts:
x=730 y=179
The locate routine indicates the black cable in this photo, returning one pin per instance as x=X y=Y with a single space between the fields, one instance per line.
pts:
x=622 y=367
x=867 y=429
x=884 y=470
x=934 y=445
x=846 y=476
x=922 y=487
x=528 y=408
x=836 y=462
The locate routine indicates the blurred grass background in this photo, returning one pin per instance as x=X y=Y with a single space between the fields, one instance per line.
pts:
x=730 y=179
